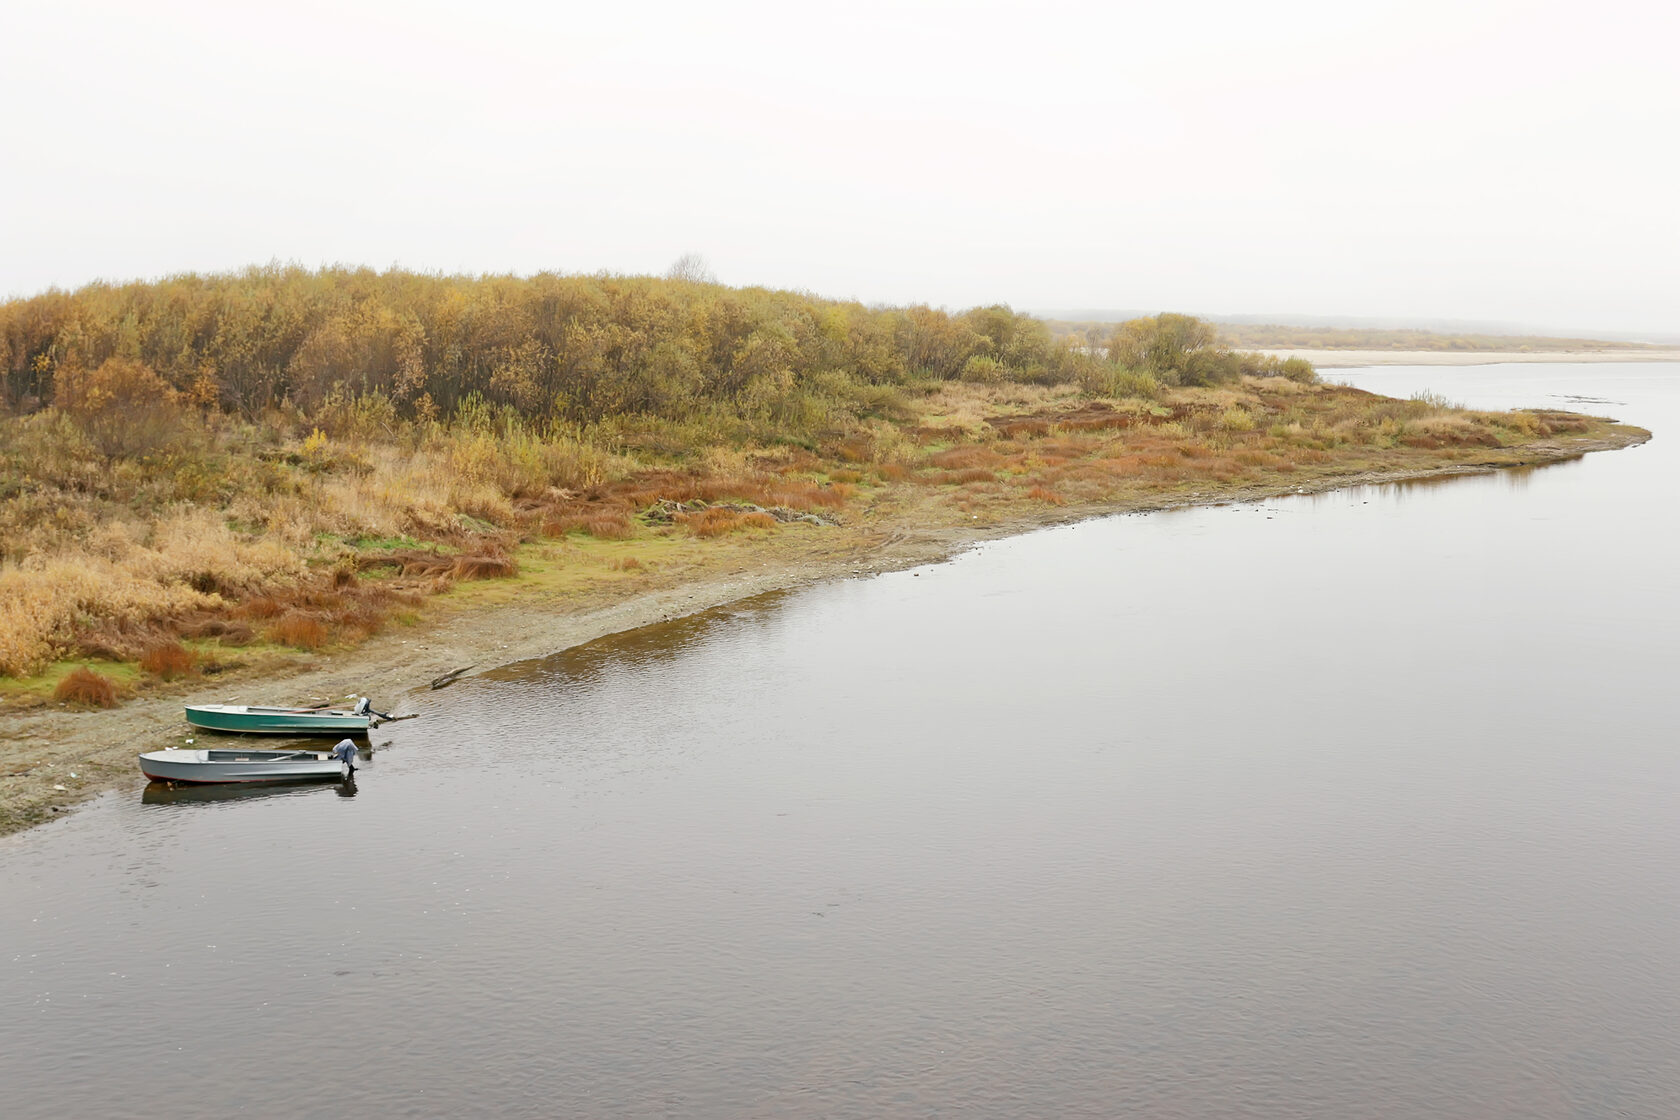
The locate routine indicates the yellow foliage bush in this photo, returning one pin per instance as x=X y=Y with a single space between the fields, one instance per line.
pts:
x=123 y=406
x=1236 y=419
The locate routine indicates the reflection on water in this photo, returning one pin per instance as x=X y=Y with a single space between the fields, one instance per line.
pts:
x=1340 y=806
x=643 y=647
x=167 y=793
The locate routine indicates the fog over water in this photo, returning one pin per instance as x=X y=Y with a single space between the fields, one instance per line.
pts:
x=1347 y=805
x=1482 y=160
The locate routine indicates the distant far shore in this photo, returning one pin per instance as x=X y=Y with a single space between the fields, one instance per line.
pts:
x=1345 y=359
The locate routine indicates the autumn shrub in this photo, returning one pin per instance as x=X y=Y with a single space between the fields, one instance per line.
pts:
x=1299 y=370
x=1236 y=419
x=168 y=660
x=85 y=688
x=1118 y=381
x=125 y=408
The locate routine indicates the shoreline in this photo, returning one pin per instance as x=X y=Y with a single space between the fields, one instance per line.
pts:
x=1356 y=359
x=89 y=753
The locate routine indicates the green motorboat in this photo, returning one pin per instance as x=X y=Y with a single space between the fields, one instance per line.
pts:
x=254 y=720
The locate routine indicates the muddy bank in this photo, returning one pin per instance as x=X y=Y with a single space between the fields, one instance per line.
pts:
x=55 y=758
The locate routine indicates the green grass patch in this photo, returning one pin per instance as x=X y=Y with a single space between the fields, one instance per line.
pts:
x=126 y=674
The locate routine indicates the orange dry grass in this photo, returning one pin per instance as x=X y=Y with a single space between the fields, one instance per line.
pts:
x=961 y=478
x=719 y=520
x=608 y=525
x=300 y=630
x=263 y=606
x=484 y=567
x=169 y=660
x=964 y=458
x=1043 y=494
x=86 y=688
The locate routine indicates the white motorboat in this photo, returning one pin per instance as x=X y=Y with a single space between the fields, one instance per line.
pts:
x=208 y=766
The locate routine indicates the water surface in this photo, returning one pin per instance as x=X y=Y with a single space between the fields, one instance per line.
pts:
x=1350 y=805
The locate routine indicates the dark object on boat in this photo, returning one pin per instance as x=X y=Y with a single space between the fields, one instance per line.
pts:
x=345 y=752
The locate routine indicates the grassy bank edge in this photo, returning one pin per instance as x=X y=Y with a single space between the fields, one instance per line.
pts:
x=90 y=753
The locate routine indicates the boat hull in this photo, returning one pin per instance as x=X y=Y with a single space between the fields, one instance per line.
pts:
x=276 y=721
x=214 y=767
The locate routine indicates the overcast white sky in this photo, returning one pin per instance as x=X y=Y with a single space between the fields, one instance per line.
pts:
x=1472 y=160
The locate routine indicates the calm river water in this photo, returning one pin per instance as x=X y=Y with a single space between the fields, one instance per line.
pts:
x=1356 y=805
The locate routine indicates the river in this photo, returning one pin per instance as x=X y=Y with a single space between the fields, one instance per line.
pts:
x=1362 y=804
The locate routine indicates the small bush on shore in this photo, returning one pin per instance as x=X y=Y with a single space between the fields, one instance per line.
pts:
x=85 y=688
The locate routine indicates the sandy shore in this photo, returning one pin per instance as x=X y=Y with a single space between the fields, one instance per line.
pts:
x=57 y=757
x=1347 y=359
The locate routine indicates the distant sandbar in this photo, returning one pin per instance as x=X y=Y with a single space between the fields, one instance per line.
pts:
x=1343 y=359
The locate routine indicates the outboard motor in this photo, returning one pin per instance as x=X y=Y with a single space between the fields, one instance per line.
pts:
x=345 y=752
x=362 y=707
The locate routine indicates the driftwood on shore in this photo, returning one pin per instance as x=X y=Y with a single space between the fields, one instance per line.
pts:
x=665 y=510
x=450 y=677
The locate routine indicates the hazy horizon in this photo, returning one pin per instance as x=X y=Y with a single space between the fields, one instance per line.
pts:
x=1492 y=163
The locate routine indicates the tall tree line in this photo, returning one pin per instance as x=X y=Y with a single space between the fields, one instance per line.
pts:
x=566 y=347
